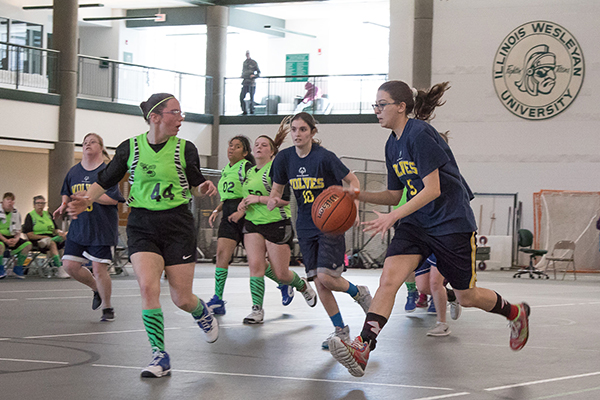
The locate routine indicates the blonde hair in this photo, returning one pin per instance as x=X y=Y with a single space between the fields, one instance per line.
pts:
x=101 y=141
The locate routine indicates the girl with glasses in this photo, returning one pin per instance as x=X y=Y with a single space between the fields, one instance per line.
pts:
x=164 y=174
x=92 y=235
x=437 y=218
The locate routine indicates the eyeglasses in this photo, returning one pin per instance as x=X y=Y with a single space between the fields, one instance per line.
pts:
x=175 y=113
x=91 y=142
x=380 y=106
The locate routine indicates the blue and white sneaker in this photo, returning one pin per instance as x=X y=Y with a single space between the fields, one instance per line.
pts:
x=411 y=301
x=18 y=271
x=2 y=272
x=159 y=366
x=287 y=294
x=208 y=323
x=431 y=309
x=216 y=305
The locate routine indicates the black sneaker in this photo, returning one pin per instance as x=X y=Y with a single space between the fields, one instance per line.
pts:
x=108 y=315
x=96 y=301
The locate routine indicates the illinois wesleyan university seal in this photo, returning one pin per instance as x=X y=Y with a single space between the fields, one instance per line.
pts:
x=538 y=70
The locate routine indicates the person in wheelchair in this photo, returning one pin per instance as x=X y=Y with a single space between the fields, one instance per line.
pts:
x=10 y=236
x=44 y=235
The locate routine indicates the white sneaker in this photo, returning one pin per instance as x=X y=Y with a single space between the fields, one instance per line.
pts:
x=342 y=333
x=208 y=323
x=455 y=310
x=309 y=294
x=363 y=298
x=256 y=316
x=61 y=273
x=440 y=329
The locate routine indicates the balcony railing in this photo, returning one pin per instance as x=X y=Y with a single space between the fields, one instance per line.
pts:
x=29 y=68
x=282 y=95
x=121 y=82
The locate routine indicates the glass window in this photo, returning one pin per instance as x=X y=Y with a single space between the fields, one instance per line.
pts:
x=26 y=34
x=3 y=38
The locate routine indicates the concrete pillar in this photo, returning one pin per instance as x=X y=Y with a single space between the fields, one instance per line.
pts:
x=64 y=37
x=401 y=40
x=422 y=44
x=217 y=20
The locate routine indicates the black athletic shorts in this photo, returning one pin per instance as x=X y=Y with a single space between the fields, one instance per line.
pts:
x=280 y=232
x=228 y=229
x=455 y=252
x=169 y=233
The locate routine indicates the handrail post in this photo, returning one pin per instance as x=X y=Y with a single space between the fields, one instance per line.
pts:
x=113 y=82
x=17 y=70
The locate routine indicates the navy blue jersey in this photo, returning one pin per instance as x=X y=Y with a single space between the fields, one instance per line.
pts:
x=419 y=151
x=98 y=225
x=308 y=177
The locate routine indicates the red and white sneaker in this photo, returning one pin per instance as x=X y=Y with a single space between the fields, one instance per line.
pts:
x=519 y=327
x=353 y=356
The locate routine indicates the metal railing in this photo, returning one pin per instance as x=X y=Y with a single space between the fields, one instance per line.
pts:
x=282 y=95
x=121 y=82
x=28 y=68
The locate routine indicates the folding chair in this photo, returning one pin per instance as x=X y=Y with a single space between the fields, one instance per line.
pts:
x=563 y=251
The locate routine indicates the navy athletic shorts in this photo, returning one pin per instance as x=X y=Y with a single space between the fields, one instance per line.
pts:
x=323 y=254
x=455 y=253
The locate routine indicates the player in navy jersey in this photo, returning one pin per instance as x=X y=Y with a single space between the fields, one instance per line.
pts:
x=92 y=235
x=309 y=169
x=437 y=218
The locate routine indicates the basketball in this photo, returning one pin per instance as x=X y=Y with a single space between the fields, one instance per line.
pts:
x=334 y=211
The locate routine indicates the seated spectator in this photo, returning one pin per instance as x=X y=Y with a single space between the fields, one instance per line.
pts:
x=312 y=93
x=10 y=236
x=41 y=229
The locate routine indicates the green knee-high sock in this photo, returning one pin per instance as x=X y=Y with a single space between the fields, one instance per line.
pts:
x=297 y=283
x=2 y=248
x=197 y=313
x=271 y=275
x=411 y=286
x=220 y=278
x=154 y=323
x=56 y=260
x=21 y=259
x=257 y=289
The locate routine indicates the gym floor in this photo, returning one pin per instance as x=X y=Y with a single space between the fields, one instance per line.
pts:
x=52 y=345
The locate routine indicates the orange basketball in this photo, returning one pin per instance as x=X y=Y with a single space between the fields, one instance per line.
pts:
x=334 y=211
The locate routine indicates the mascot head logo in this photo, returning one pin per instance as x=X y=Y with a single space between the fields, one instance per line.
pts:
x=538 y=71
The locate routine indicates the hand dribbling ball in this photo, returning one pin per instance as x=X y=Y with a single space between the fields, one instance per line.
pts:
x=334 y=211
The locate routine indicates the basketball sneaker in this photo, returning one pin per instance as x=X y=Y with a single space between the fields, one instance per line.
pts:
x=208 y=323
x=431 y=309
x=422 y=302
x=108 y=315
x=159 y=366
x=256 y=316
x=342 y=333
x=309 y=294
x=18 y=272
x=2 y=271
x=287 y=294
x=411 y=300
x=440 y=329
x=353 y=356
x=363 y=298
x=455 y=309
x=61 y=273
x=216 y=305
x=519 y=327
x=96 y=301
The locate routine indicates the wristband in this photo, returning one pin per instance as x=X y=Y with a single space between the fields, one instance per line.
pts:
x=215 y=211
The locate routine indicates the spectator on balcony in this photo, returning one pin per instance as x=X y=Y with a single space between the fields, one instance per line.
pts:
x=250 y=72
x=43 y=233
x=312 y=93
